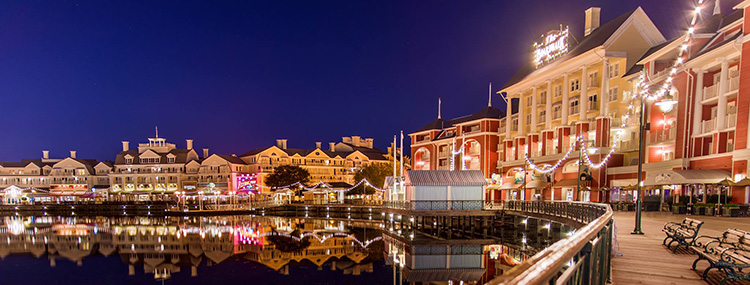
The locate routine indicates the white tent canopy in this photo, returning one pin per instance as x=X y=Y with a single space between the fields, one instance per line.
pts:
x=679 y=177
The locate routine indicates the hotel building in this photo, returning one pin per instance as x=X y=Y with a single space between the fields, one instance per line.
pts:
x=567 y=94
x=338 y=163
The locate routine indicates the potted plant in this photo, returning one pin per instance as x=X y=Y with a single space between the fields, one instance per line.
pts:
x=629 y=207
x=679 y=208
x=699 y=209
x=731 y=210
x=710 y=209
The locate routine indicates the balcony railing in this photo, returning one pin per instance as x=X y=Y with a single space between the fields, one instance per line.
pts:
x=662 y=135
x=582 y=258
x=708 y=126
x=730 y=120
x=443 y=154
x=710 y=91
x=734 y=84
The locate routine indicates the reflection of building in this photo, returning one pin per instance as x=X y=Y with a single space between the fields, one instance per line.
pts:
x=425 y=262
x=155 y=168
x=336 y=164
x=163 y=246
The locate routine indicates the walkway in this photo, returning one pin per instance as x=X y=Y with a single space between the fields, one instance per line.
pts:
x=645 y=260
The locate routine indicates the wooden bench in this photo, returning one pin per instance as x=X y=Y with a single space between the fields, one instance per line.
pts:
x=683 y=233
x=729 y=253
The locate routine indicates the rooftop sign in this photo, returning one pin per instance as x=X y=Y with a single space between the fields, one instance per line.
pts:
x=554 y=44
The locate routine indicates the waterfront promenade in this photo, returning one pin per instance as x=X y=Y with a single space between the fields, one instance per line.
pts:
x=642 y=259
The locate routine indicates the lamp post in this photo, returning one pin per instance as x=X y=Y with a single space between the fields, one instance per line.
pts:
x=580 y=159
x=666 y=104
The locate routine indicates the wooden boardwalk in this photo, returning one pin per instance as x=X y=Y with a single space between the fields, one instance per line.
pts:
x=642 y=259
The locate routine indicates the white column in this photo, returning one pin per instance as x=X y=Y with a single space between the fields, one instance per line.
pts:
x=583 y=101
x=604 y=94
x=508 y=115
x=521 y=115
x=698 y=109
x=534 y=111
x=723 y=87
x=548 y=105
x=565 y=100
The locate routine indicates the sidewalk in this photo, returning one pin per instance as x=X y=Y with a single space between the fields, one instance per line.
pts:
x=645 y=260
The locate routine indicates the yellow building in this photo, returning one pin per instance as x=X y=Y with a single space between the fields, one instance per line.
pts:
x=338 y=163
x=572 y=90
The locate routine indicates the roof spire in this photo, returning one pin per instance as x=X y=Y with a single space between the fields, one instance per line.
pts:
x=489 y=100
x=717 y=8
x=439 y=102
x=157 y=131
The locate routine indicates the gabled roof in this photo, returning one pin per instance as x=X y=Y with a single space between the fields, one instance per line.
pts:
x=484 y=113
x=231 y=158
x=446 y=178
x=26 y=162
x=180 y=156
x=595 y=39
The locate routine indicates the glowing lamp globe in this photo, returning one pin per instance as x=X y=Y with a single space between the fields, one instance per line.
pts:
x=667 y=103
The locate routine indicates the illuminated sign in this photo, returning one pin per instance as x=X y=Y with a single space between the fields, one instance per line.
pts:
x=68 y=187
x=553 y=45
x=245 y=182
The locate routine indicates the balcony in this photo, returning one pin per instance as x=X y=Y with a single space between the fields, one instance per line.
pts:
x=627 y=122
x=730 y=121
x=474 y=129
x=708 y=126
x=630 y=145
x=710 y=92
x=556 y=115
x=734 y=84
x=663 y=135
x=659 y=74
x=443 y=153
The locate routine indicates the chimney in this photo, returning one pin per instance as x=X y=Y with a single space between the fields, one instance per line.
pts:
x=317 y=145
x=332 y=146
x=281 y=143
x=125 y=145
x=346 y=139
x=355 y=140
x=205 y=153
x=72 y=154
x=368 y=143
x=189 y=143
x=592 y=20
x=45 y=154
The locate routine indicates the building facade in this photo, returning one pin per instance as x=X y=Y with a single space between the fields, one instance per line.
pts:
x=338 y=163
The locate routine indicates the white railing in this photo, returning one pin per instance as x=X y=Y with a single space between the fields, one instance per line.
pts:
x=627 y=145
x=662 y=135
x=730 y=121
x=734 y=84
x=708 y=126
x=661 y=73
x=710 y=91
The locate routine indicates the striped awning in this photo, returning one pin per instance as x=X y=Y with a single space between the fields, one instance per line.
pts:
x=446 y=178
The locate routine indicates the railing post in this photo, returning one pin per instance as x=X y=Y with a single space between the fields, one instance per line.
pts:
x=586 y=266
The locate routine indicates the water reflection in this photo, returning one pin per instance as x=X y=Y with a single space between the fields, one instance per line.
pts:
x=166 y=246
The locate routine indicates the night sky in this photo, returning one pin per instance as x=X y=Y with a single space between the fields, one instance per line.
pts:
x=85 y=75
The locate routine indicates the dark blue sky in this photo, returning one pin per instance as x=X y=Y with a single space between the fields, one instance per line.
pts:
x=84 y=75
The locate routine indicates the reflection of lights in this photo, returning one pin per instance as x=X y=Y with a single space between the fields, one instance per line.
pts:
x=525 y=221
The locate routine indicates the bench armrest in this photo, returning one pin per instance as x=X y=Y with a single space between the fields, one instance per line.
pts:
x=704 y=241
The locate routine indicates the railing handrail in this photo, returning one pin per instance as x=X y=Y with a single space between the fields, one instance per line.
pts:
x=547 y=264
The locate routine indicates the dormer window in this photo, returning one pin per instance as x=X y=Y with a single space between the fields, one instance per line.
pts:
x=170 y=159
x=129 y=160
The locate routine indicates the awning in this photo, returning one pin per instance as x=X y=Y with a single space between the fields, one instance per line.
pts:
x=535 y=185
x=443 y=275
x=623 y=182
x=509 y=186
x=742 y=183
x=679 y=177
x=566 y=183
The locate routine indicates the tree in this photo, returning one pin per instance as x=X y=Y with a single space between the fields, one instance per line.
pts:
x=286 y=175
x=375 y=173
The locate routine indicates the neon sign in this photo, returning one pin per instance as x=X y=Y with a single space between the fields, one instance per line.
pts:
x=246 y=182
x=553 y=45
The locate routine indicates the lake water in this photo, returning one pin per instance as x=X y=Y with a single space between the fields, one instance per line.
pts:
x=258 y=250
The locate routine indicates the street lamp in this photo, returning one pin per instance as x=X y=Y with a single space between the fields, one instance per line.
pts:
x=666 y=104
x=580 y=160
